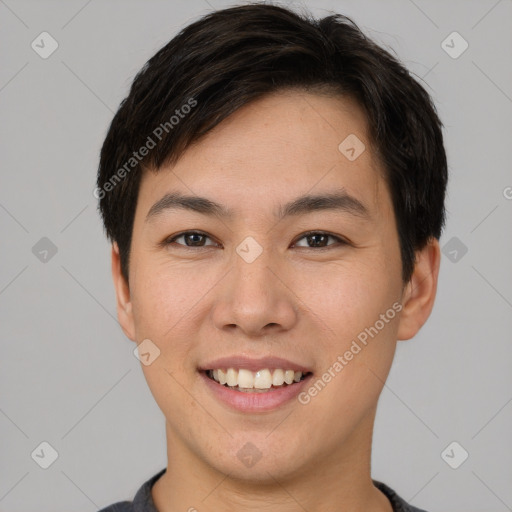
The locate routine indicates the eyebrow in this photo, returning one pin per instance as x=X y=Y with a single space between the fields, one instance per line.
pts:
x=338 y=201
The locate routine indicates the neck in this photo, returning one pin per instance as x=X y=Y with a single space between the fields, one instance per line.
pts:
x=338 y=481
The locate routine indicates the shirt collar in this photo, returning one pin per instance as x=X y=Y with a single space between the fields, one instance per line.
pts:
x=143 y=500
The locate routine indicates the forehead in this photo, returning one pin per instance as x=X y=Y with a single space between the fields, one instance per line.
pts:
x=280 y=146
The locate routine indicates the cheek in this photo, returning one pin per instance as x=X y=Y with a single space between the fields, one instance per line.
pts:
x=353 y=307
x=355 y=354
x=162 y=297
x=165 y=304
x=346 y=297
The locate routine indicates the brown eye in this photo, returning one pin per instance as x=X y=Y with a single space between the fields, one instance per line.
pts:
x=190 y=239
x=314 y=239
x=319 y=239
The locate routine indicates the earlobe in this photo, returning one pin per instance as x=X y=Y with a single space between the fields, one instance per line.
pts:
x=124 y=304
x=420 y=292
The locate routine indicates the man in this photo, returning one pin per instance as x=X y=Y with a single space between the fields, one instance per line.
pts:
x=273 y=187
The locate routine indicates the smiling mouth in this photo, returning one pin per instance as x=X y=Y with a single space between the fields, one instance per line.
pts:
x=262 y=381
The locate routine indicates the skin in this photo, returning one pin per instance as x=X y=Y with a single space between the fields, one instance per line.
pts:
x=294 y=301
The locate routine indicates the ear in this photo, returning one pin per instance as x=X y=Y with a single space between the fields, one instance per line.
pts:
x=420 y=292
x=124 y=305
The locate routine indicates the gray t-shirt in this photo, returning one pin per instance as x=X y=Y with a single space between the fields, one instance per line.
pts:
x=143 y=501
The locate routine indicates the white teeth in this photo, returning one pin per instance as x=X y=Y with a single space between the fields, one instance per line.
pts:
x=278 y=378
x=288 y=376
x=222 y=376
x=231 y=377
x=245 y=379
x=262 y=379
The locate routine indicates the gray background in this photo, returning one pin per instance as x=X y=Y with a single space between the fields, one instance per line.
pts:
x=68 y=374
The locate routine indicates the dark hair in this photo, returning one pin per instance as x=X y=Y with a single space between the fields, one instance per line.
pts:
x=233 y=56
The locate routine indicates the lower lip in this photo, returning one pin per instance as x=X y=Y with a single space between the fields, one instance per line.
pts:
x=254 y=402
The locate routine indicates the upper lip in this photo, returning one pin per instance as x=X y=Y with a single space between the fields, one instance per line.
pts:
x=254 y=364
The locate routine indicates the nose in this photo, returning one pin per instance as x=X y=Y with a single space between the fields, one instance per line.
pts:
x=255 y=298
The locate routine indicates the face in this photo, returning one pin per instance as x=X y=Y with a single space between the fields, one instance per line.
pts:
x=303 y=286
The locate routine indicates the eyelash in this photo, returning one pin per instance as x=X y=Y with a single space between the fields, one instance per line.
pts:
x=171 y=240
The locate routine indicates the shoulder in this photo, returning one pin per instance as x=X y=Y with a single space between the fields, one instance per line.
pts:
x=121 y=506
x=397 y=502
x=142 y=502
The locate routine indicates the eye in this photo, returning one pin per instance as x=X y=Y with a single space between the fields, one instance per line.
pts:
x=319 y=239
x=196 y=239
